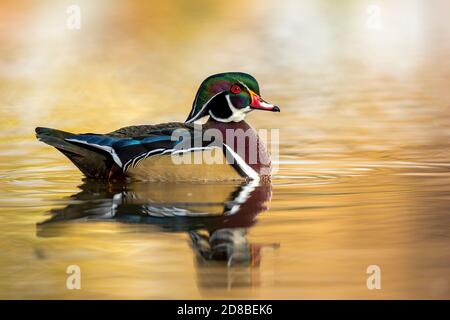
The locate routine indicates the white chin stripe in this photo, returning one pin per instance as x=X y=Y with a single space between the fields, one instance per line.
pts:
x=237 y=114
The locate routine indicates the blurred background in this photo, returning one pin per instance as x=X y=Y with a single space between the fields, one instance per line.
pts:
x=363 y=176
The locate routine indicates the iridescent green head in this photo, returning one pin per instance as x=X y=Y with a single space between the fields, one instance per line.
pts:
x=228 y=97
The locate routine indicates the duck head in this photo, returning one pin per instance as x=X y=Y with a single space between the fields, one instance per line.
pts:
x=228 y=97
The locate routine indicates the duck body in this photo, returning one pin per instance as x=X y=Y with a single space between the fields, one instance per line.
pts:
x=224 y=148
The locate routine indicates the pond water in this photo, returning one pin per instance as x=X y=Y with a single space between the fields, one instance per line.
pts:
x=362 y=173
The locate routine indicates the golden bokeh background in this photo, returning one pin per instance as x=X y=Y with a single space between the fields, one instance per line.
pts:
x=364 y=148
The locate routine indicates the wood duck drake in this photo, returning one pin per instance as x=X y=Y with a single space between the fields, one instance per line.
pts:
x=223 y=148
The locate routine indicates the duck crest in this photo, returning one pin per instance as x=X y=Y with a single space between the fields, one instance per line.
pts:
x=219 y=85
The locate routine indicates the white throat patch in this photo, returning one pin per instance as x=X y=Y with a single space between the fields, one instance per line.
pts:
x=237 y=114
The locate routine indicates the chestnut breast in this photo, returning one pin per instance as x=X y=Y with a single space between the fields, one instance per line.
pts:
x=244 y=140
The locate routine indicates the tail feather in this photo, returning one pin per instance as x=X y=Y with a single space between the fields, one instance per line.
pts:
x=94 y=163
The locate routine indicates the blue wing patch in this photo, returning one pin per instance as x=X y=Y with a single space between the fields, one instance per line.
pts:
x=125 y=151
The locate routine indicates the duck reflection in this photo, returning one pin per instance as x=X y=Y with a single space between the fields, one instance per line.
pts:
x=216 y=217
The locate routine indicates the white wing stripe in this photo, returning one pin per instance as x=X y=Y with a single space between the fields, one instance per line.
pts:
x=105 y=148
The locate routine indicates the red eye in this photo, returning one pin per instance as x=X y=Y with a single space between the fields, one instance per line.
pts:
x=235 y=89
